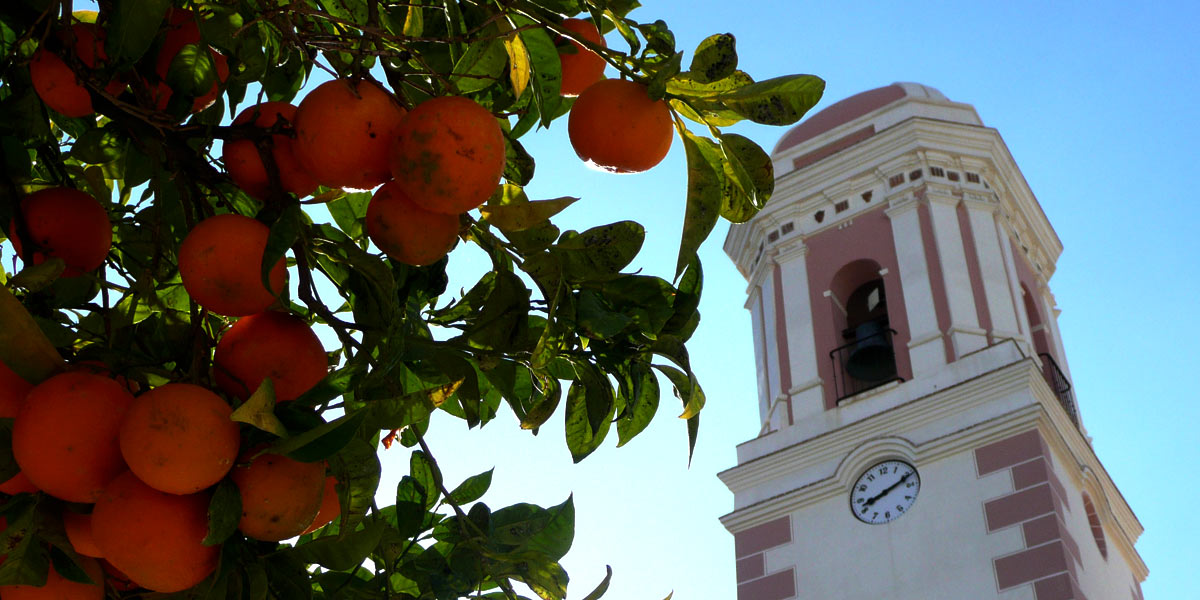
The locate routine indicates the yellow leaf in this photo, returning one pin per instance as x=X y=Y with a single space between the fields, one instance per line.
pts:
x=23 y=346
x=439 y=394
x=519 y=216
x=519 y=65
x=259 y=410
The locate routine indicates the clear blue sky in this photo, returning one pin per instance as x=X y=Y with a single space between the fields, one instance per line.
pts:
x=1097 y=103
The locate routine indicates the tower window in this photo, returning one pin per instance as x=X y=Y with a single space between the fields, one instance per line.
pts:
x=787 y=228
x=952 y=175
x=774 y=235
x=865 y=359
x=866 y=196
x=915 y=175
x=820 y=216
x=972 y=177
x=1094 y=523
x=896 y=180
x=841 y=206
x=937 y=171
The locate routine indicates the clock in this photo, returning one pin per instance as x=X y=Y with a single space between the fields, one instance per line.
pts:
x=884 y=492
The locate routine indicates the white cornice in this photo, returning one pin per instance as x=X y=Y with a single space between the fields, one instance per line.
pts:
x=1035 y=405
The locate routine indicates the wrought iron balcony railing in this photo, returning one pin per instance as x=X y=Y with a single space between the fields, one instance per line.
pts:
x=1059 y=385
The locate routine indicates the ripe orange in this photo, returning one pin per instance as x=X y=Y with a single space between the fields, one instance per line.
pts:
x=57 y=85
x=407 y=232
x=65 y=435
x=79 y=532
x=582 y=67
x=246 y=167
x=12 y=393
x=67 y=224
x=60 y=588
x=179 y=439
x=269 y=344
x=344 y=131
x=280 y=496
x=616 y=127
x=448 y=155
x=331 y=507
x=154 y=537
x=219 y=262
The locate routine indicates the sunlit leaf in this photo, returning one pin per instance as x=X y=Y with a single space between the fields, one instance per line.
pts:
x=23 y=345
x=259 y=410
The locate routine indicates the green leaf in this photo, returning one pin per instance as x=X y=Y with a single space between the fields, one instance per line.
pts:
x=597 y=319
x=348 y=211
x=590 y=409
x=751 y=170
x=519 y=213
x=27 y=560
x=426 y=473
x=36 y=278
x=778 y=101
x=687 y=388
x=342 y=552
x=100 y=145
x=65 y=562
x=259 y=410
x=641 y=404
x=600 y=252
x=715 y=58
x=23 y=345
x=531 y=528
x=480 y=66
x=519 y=164
x=192 y=71
x=323 y=441
x=357 y=470
x=602 y=587
x=547 y=70
x=402 y=411
x=472 y=489
x=284 y=232
x=704 y=195
x=354 y=11
x=132 y=27
x=224 y=512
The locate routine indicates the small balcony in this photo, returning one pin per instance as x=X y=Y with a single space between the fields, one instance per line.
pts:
x=865 y=363
x=1059 y=385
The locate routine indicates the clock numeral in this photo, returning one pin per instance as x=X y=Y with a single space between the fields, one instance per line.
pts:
x=908 y=497
x=865 y=509
x=910 y=484
x=862 y=488
x=883 y=470
x=899 y=508
x=870 y=478
x=895 y=468
x=887 y=515
x=861 y=500
x=875 y=515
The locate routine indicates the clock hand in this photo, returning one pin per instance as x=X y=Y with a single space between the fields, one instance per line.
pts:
x=888 y=490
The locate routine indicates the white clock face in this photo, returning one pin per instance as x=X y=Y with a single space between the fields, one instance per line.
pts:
x=884 y=492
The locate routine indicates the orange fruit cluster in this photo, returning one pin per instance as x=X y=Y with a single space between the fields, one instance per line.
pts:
x=139 y=470
x=62 y=88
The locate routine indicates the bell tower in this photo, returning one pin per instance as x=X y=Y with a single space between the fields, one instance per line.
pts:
x=920 y=438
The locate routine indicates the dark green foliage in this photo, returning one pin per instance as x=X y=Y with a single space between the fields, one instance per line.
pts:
x=558 y=326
